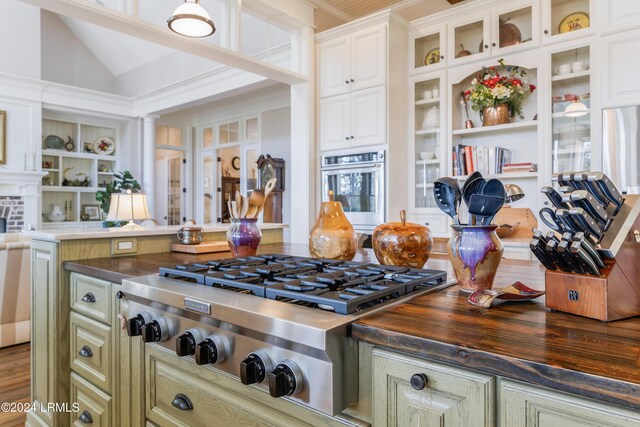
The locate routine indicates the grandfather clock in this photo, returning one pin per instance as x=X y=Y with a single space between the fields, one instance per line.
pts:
x=268 y=168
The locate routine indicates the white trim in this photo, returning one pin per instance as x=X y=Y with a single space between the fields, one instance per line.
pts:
x=332 y=10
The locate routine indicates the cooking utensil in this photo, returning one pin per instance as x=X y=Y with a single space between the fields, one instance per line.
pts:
x=541 y=254
x=484 y=207
x=462 y=52
x=582 y=179
x=565 y=253
x=588 y=264
x=232 y=213
x=585 y=200
x=256 y=198
x=588 y=247
x=238 y=204
x=607 y=187
x=245 y=207
x=552 y=249
x=564 y=179
x=447 y=195
x=566 y=219
x=252 y=210
x=586 y=222
x=473 y=185
x=549 y=217
x=494 y=188
x=554 y=197
x=513 y=193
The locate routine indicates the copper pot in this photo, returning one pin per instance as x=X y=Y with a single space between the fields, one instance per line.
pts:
x=498 y=115
x=401 y=243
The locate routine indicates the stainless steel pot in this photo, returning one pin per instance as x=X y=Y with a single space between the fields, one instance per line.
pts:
x=190 y=235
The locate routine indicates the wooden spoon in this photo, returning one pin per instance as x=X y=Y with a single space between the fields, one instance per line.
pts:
x=271 y=184
x=252 y=210
x=245 y=207
x=232 y=214
x=238 y=204
x=257 y=198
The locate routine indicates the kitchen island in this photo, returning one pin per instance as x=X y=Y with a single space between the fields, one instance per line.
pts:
x=522 y=349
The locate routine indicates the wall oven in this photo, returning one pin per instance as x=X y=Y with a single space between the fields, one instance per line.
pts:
x=358 y=181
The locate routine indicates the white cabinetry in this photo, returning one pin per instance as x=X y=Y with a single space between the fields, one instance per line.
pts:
x=619 y=14
x=621 y=62
x=564 y=20
x=353 y=62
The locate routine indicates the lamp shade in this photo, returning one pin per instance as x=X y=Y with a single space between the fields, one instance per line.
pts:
x=128 y=207
x=191 y=20
x=576 y=109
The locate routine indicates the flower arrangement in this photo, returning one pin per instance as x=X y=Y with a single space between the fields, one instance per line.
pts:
x=502 y=84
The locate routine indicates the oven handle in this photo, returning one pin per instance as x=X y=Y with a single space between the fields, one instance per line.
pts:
x=342 y=167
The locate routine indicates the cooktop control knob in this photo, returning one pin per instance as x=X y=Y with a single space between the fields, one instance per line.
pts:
x=134 y=324
x=285 y=379
x=254 y=368
x=157 y=330
x=211 y=351
x=186 y=343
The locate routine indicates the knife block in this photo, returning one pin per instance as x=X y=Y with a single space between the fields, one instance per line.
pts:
x=615 y=294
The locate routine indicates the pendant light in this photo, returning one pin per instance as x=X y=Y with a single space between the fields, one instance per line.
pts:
x=191 y=20
x=576 y=109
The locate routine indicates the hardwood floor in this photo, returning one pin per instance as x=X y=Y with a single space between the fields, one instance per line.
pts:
x=15 y=379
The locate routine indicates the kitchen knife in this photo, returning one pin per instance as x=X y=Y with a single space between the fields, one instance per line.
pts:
x=578 y=184
x=594 y=190
x=567 y=236
x=537 y=234
x=585 y=200
x=541 y=254
x=564 y=179
x=607 y=187
x=586 y=222
x=566 y=189
x=554 y=197
x=552 y=250
x=564 y=217
x=585 y=260
x=570 y=259
x=588 y=247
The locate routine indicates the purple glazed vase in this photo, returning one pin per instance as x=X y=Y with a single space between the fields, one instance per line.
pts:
x=244 y=237
x=475 y=251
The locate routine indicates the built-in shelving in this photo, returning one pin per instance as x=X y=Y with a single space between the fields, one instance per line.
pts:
x=514 y=175
x=509 y=127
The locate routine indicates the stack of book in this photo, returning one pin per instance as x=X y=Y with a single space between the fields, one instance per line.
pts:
x=486 y=160
x=519 y=167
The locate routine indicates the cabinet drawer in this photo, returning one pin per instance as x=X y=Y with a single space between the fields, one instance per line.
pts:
x=91 y=350
x=94 y=405
x=91 y=297
x=449 y=396
x=216 y=398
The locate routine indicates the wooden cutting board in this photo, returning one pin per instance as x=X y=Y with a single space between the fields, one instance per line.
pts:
x=202 y=248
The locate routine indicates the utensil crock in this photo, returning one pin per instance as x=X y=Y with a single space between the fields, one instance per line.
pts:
x=244 y=237
x=475 y=252
x=190 y=235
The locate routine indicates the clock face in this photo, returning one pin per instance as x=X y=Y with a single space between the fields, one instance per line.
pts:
x=266 y=173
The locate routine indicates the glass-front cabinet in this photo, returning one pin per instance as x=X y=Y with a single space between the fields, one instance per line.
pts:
x=428 y=49
x=571 y=147
x=468 y=38
x=514 y=27
x=426 y=153
x=567 y=19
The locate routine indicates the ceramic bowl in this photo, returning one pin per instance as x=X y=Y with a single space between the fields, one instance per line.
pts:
x=56 y=217
x=427 y=155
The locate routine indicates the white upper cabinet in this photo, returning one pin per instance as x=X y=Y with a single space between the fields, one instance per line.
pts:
x=353 y=62
x=334 y=122
x=427 y=47
x=619 y=14
x=514 y=27
x=620 y=63
x=564 y=20
x=468 y=38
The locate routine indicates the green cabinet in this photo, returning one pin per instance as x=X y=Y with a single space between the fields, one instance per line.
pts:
x=440 y=395
x=524 y=405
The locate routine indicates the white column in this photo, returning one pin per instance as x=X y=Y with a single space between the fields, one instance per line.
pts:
x=148 y=161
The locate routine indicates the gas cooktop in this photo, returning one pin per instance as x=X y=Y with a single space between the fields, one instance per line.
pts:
x=343 y=287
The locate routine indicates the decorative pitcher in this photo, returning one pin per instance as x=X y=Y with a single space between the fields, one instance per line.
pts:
x=333 y=236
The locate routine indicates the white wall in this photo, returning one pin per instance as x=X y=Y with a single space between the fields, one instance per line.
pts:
x=19 y=38
x=276 y=141
x=65 y=59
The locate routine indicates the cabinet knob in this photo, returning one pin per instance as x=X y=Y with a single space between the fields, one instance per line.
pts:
x=419 y=381
x=351 y=137
x=182 y=402
x=85 y=418
x=119 y=294
x=546 y=31
x=493 y=44
x=352 y=81
x=346 y=138
x=89 y=298
x=346 y=81
x=441 y=56
x=486 y=46
x=85 y=352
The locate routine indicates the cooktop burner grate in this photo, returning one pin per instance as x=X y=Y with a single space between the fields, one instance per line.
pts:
x=341 y=286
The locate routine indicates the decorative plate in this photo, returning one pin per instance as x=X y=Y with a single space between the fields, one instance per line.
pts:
x=433 y=57
x=104 y=145
x=54 y=142
x=516 y=292
x=573 y=21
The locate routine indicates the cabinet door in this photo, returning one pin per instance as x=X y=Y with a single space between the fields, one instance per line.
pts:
x=334 y=123
x=450 y=397
x=515 y=27
x=524 y=405
x=368 y=117
x=427 y=49
x=334 y=66
x=620 y=14
x=621 y=68
x=567 y=19
x=468 y=39
x=368 y=58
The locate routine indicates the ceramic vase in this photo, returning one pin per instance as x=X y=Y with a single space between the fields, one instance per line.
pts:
x=498 y=115
x=333 y=236
x=244 y=236
x=56 y=214
x=475 y=251
x=401 y=243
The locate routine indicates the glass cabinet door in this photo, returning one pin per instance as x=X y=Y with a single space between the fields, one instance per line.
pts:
x=567 y=19
x=515 y=27
x=571 y=118
x=429 y=49
x=426 y=149
x=469 y=39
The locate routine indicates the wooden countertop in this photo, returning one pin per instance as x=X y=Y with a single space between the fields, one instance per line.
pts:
x=519 y=340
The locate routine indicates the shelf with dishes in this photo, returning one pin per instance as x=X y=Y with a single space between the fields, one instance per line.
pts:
x=428 y=101
x=427 y=131
x=505 y=176
x=572 y=75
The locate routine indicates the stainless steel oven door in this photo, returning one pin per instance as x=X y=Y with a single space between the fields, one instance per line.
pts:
x=360 y=189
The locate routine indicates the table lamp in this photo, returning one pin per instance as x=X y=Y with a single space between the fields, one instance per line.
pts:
x=128 y=207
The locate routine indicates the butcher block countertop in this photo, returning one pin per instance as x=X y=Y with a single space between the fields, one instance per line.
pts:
x=518 y=340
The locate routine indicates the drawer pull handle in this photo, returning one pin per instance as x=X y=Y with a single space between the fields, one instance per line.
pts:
x=85 y=352
x=182 y=402
x=85 y=418
x=419 y=381
x=89 y=297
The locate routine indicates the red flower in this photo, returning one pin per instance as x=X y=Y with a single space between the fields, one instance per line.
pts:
x=467 y=92
x=516 y=82
x=532 y=88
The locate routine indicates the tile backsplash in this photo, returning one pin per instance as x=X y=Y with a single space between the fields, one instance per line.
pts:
x=12 y=208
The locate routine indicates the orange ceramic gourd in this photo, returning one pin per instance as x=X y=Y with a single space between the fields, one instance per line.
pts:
x=401 y=243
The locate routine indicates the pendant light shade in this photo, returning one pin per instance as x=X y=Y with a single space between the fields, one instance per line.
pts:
x=576 y=109
x=191 y=20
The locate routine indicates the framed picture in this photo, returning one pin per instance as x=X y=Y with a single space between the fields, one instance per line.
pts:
x=91 y=212
x=3 y=134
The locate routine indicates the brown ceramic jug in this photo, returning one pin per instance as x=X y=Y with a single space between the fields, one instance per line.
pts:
x=401 y=243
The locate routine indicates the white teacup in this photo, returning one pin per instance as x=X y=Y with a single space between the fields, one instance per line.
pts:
x=564 y=69
x=427 y=94
x=579 y=66
x=436 y=93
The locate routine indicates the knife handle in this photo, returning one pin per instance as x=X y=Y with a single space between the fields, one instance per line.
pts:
x=542 y=256
x=565 y=253
x=586 y=261
x=589 y=249
x=552 y=249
